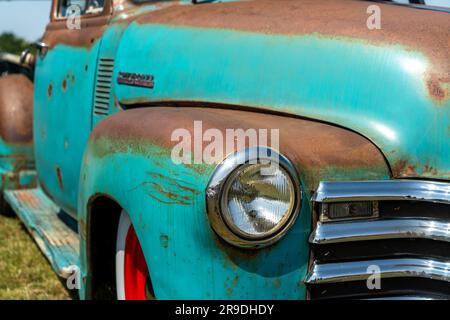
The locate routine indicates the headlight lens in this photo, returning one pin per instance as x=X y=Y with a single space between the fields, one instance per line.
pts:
x=255 y=205
x=253 y=197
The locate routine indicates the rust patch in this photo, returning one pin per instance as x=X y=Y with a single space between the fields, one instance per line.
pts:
x=50 y=90
x=323 y=146
x=64 y=85
x=406 y=169
x=235 y=281
x=230 y=287
x=59 y=177
x=398 y=167
x=16 y=109
x=430 y=170
x=91 y=30
x=168 y=190
x=411 y=171
x=30 y=199
x=436 y=86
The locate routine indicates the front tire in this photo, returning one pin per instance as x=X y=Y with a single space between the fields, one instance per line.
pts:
x=132 y=276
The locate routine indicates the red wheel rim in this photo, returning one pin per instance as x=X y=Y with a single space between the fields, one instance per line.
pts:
x=136 y=271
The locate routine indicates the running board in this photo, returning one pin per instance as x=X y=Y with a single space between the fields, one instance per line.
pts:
x=52 y=229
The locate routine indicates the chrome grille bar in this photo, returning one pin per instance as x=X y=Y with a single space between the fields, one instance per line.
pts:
x=383 y=190
x=389 y=268
x=326 y=233
x=371 y=235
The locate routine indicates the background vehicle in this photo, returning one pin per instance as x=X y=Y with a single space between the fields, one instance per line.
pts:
x=16 y=109
x=363 y=118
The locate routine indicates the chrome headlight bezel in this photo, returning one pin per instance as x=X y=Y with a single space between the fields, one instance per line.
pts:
x=215 y=189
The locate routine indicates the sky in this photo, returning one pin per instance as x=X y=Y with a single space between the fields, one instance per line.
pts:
x=28 y=18
x=25 y=18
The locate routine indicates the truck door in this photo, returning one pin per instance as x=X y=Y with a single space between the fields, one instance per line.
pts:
x=64 y=86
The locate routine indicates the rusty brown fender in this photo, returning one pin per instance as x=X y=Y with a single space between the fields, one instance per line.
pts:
x=318 y=150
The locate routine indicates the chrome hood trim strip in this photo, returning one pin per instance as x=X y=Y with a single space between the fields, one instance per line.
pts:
x=383 y=190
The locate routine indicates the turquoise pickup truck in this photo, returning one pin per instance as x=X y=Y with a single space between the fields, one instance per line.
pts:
x=235 y=149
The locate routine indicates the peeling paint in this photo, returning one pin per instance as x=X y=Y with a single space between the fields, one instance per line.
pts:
x=168 y=190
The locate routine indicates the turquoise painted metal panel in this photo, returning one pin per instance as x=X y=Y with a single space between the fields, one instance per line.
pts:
x=372 y=89
x=64 y=89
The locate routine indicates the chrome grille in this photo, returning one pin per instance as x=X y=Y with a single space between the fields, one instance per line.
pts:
x=103 y=86
x=408 y=240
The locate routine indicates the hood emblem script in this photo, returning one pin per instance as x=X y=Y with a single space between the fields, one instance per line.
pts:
x=136 y=79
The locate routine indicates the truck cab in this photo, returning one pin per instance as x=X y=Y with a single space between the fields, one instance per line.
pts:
x=153 y=124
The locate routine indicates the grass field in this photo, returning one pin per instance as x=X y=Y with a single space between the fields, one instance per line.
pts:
x=24 y=271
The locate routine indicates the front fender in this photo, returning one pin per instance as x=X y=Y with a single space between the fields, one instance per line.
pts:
x=128 y=158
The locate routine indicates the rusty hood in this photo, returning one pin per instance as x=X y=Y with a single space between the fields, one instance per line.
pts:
x=311 y=58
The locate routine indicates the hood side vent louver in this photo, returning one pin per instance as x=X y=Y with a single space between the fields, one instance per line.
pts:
x=103 y=86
